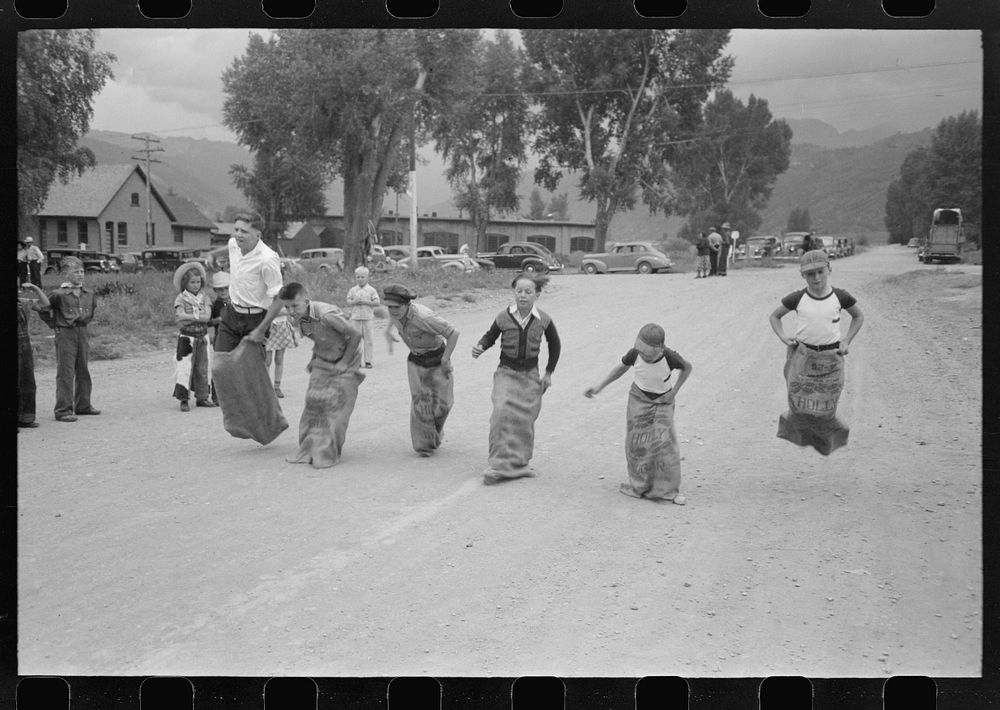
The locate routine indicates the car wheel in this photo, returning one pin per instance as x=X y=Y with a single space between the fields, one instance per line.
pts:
x=589 y=269
x=529 y=267
x=645 y=268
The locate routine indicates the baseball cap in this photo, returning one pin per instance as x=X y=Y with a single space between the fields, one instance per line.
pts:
x=816 y=257
x=652 y=334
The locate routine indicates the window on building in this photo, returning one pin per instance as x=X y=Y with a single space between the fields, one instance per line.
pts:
x=109 y=232
x=43 y=232
x=391 y=237
x=178 y=234
x=446 y=240
x=152 y=233
x=62 y=235
x=581 y=244
x=81 y=231
x=135 y=199
x=123 y=233
x=493 y=241
x=547 y=242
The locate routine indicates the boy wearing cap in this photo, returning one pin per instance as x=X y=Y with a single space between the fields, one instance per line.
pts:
x=431 y=340
x=814 y=365
x=651 y=448
x=71 y=308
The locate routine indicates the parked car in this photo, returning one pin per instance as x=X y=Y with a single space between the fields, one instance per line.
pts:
x=523 y=256
x=218 y=258
x=378 y=260
x=169 y=258
x=830 y=246
x=913 y=243
x=791 y=243
x=93 y=261
x=640 y=257
x=112 y=260
x=130 y=262
x=325 y=257
x=757 y=247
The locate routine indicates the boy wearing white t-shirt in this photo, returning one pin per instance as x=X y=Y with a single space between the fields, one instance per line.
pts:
x=814 y=366
x=651 y=449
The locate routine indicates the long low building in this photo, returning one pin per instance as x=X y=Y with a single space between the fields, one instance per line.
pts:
x=449 y=233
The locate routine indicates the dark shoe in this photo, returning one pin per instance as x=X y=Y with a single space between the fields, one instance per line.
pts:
x=66 y=418
x=368 y=365
x=27 y=425
x=205 y=403
x=278 y=393
x=90 y=411
x=185 y=407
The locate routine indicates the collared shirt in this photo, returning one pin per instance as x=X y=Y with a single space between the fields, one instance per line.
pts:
x=362 y=300
x=35 y=254
x=422 y=329
x=521 y=342
x=72 y=305
x=193 y=304
x=512 y=309
x=254 y=277
x=328 y=328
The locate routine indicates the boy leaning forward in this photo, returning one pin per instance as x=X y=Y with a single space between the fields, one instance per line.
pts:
x=814 y=363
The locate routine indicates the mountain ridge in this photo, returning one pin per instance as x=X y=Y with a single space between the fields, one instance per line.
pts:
x=841 y=178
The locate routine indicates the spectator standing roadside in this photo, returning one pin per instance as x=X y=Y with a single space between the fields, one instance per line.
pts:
x=334 y=376
x=517 y=388
x=703 y=255
x=35 y=259
x=220 y=284
x=431 y=340
x=192 y=310
x=363 y=299
x=814 y=361
x=714 y=247
x=725 y=248
x=23 y=276
x=25 y=355
x=71 y=308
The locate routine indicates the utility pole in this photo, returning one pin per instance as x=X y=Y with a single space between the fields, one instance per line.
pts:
x=150 y=240
x=413 y=191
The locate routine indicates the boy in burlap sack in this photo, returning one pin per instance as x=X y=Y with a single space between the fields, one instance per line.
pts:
x=814 y=363
x=651 y=450
x=517 y=387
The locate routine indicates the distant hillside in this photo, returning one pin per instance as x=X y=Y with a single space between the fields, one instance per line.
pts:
x=824 y=135
x=843 y=187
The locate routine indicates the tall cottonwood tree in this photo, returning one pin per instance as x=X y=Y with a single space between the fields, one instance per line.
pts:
x=58 y=74
x=610 y=103
x=280 y=188
x=483 y=136
x=348 y=99
x=727 y=172
x=947 y=173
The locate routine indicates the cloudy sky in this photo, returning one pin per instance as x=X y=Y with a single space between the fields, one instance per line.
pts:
x=169 y=81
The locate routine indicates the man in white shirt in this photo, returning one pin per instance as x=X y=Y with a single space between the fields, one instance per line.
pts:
x=254 y=282
x=35 y=259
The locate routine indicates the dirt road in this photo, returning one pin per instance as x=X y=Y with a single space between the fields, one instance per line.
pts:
x=151 y=542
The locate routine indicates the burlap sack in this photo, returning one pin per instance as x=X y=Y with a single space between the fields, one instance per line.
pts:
x=330 y=400
x=431 y=399
x=815 y=381
x=250 y=409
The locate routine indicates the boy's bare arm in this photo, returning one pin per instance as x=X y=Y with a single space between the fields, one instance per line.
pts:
x=685 y=373
x=857 y=320
x=779 y=313
x=615 y=373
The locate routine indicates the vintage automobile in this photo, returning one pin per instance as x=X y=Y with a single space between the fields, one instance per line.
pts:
x=758 y=247
x=639 y=257
x=831 y=247
x=324 y=257
x=523 y=256
x=169 y=258
x=130 y=262
x=93 y=261
x=791 y=243
x=913 y=243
